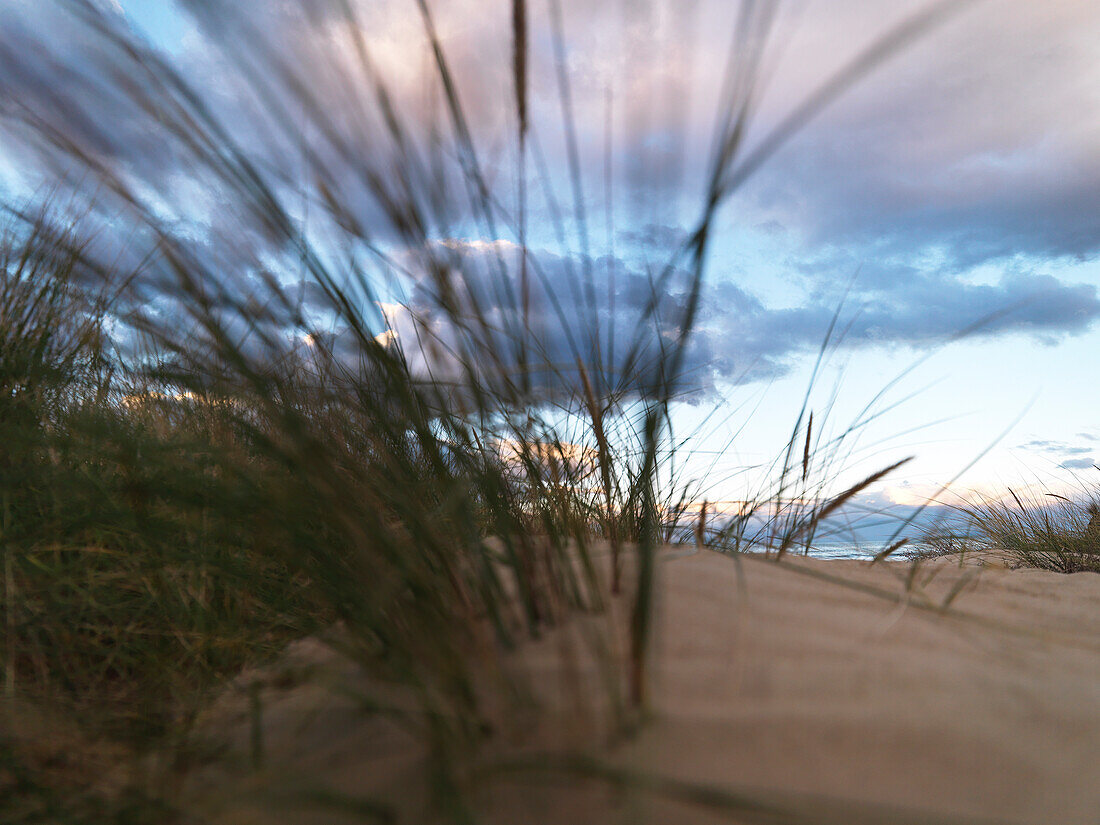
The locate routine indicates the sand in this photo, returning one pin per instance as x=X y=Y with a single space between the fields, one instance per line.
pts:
x=773 y=686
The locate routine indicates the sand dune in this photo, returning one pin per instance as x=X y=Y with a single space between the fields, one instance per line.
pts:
x=777 y=687
x=808 y=686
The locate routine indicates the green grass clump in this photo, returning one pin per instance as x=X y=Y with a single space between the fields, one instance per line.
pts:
x=135 y=575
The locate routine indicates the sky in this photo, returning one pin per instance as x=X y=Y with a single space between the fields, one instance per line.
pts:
x=944 y=209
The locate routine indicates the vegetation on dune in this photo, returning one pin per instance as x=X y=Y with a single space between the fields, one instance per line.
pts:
x=215 y=443
x=197 y=470
x=1046 y=531
x=137 y=574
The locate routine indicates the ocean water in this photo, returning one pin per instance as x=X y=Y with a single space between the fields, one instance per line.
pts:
x=844 y=551
x=834 y=548
x=837 y=550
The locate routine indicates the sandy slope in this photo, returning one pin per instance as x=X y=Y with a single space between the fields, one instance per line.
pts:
x=813 y=699
x=808 y=686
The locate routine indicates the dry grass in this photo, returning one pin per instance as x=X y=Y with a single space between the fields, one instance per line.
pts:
x=1046 y=531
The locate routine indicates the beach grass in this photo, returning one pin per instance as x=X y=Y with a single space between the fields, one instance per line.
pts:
x=1039 y=529
x=216 y=444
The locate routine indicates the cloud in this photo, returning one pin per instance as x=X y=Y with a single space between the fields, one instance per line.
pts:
x=914 y=308
x=1052 y=446
x=656 y=237
x=600 y=310
x=1069 y=456
x=603 y=313
x=979 y=143
x=976 y=146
